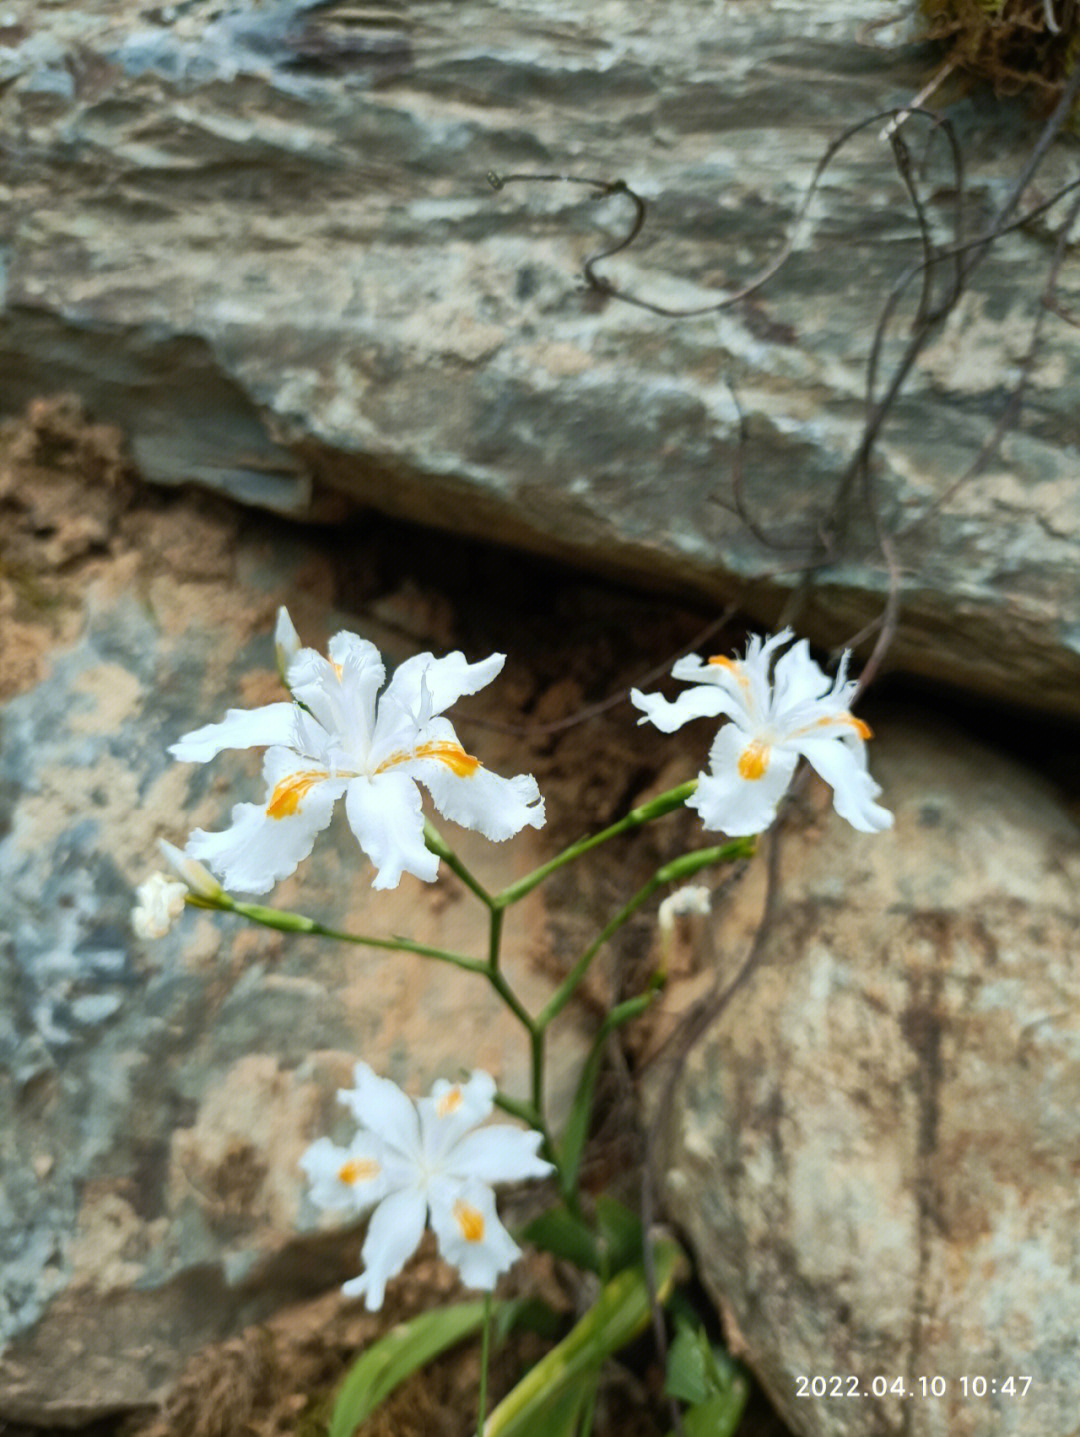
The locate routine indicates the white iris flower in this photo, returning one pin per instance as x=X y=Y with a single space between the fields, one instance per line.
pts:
x=337 y=739
x=798 y=711
x=418 y=1161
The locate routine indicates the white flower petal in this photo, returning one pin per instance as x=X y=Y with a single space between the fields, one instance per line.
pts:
x=246 y=854
x=731 y=803
x=393 y=1235
x=460 y=1106
x=400 y=727
x=842 y=764
x=447 y=679
x=450 y=1112
x=316 y=683
x=240 y=728
x=500 y=1154
x=481 y=800
x=379 y=1105
x=797 y=679
x=362 y=674
x=386 y=814
x=470 y=1234
x=703 y=701
x=348 y=1179
x=267 y=842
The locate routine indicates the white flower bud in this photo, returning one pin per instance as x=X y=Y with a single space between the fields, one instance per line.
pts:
x=196 y=875
x=160 y=902
x=692 y=898
x=286 y=643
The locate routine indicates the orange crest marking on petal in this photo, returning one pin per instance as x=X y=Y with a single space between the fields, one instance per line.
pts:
x=469 y=1221
x=357 y=1170
x=754 y=759
x=291 y=791
x=449 y=1103
x=451 y=754
x=831 y=720
x=734 y=667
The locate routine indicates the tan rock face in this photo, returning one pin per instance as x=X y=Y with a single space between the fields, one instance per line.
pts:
x=155 y=1097
x=876 y=1148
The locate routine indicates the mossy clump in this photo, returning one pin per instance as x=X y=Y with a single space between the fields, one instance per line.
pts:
x=1014 y=45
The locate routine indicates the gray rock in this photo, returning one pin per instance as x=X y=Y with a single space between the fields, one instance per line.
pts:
x=155 y=1098
x=874 y=1150
x=259 y=238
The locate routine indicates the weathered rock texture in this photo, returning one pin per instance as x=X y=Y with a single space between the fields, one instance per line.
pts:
x=259 y=238
x=875 y=1150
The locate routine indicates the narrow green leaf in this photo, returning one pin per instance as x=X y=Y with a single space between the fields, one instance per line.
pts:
x=560 y=1415
x=396 y=1356
x=562 y=1234
x=619 y=1314
x=620 y=1232
x=577 y=1124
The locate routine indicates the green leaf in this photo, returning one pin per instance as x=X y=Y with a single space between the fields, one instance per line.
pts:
x=718 y=1416
x=559 y=1416
x=708 y=1378
x=620 y=1232
x=577 y=1124
x=616 y=1243
x=688 y=1365
x=619 y=1314
x=397 y=1356
x=561 y=1233
x=525 y=1314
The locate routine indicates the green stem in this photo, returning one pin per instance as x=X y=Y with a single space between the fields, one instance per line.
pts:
x=676 y=871
x=495 y=939
x=286 y=922
x=536 y=1054
x=485 y=1350
x=644 y=813
x=520 y=1109
x=577 y=1124
x=509 y=997
x=438 y=845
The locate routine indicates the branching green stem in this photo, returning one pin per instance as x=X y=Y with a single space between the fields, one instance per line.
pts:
x=674 y=872
x=645 y=813
x=438 y=845
x=496 y=904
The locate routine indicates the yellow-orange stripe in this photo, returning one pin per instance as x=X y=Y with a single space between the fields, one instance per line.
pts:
x=288 y=794
x=451 y=754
